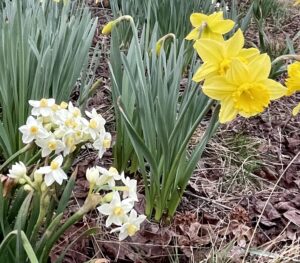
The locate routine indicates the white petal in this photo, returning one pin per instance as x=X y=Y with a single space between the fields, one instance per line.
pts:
x=105 y=209
x=49 y=179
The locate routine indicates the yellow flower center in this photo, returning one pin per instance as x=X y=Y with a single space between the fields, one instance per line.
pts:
x=52 y=145
x=70 y=123
x=224 y=66
x=55 y=108
x=54 y=165
x=43 y=103
x=131 y=229
x=251 y=98
x=76 y=113
x=93 y=124
x=34 y=129
x=64 y=105
x=70 y=141
x=118 y=211
x=106 y=143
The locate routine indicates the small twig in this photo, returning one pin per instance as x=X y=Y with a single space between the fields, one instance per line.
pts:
x=208 y=200
x=265 y=206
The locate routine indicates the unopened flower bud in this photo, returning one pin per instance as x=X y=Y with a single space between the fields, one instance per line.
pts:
x=108 y=197
x=38 y=178
x=28 y=188
x=108 y=27
x=22 y=181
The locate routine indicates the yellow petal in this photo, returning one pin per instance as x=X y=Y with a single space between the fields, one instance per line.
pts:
x=208 y=34
x=276 y=90
x=222 y=26
x=227 y=111
x=210 y=51
x=237 y=73
x=197 y=19
x=218 y=88
x=205 y=71
x=259 y=68
x=234 y=45
x=296 y=110
x=193 y=35
x=249 y=53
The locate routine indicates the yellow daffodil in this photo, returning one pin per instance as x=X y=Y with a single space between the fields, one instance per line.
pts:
x=297 y=2
x=293 y=81
x=217 y=56
x=245 y=89
x=209 y=26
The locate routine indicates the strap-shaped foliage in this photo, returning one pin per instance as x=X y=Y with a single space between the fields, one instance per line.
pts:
x=43 y=49
x=158 y=115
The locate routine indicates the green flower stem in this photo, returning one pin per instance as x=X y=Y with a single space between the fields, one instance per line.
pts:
x=15 y=155
x=90 y=203
x=285 y=57
x=42 y=213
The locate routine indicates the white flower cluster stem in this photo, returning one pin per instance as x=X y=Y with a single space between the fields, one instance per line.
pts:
x=119 y=211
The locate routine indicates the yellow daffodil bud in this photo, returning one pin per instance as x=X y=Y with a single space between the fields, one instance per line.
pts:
x=108 y=27
x=158 y=47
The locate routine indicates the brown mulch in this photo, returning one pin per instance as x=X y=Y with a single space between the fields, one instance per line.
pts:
x=224 y=202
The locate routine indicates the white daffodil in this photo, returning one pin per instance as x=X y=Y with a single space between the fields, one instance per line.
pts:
x=50 y=144
x=95 y=125
x=17 y=171
x=102 y=143
x=69 y=141
x=108 y=176
x=76 y=113
x=116 y=210
x=32 y=130
x=42 y=107
x=53 y=173
x=131 y=225
x=92 y=175
x=131 y=188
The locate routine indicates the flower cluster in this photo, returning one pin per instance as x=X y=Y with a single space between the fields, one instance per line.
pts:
x=119 y=211
x=238 y=77
x=62 y=128
x=293 y=82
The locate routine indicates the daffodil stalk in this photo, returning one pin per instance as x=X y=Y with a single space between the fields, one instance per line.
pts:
x=90 y=203
x=160 y=43
x=286 y=57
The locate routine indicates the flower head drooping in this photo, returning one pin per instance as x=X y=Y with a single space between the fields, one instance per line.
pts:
x=93 y=176
x=17 y=171
x=53 y=172
x=209 y=26
x=32 y=130
x=217 y=56
x=131 y=225
x=116 y=210
x=245 y=89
